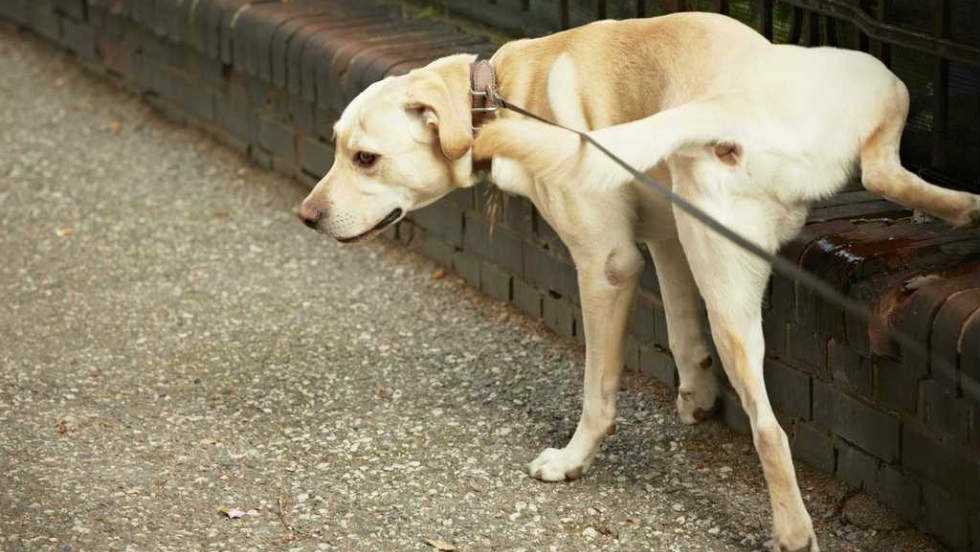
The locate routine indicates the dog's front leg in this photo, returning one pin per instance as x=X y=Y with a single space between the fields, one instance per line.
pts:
x=607 y=279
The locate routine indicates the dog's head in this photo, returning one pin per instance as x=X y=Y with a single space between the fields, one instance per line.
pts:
x=401 y=144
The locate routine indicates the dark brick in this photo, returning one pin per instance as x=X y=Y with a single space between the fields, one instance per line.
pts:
x=657 y=363
x=300 y=64
x=463 y=198
x=173 y=55
x=970 y=357
x=467 y=266
x=545 y=271
x=557 y=313
x=254 y=31
x=850 y=369
x=788 y=388
x=79 y=38
x=154 y=76
x=631 y=354
x=442 y=219
x=167 y=108
x=438 y=250
x=732 y=412
x=814 y=446
x=350 y=60
x=868 y=428
x=642 y=324
x=14 y=10
x=945 y=336
x=383 y=65
x=501 y=246
x=526 y=298
x=495 y=282
x=518 y=214
x=276 y=137
x=372 y=64
x=941 y=464
x=315 y=156
x=233 y=142
x=661 y=334
x=303 y=115
x=783 y=296
x=898 y=491
x=43 y=20
x=327 y=55
x=260 y=156
x=75 y=9
x=118 y=57
x=774 y=327
x=808 y=349
x=968 y=432
x=163 y=21
x=856 y=467
x=236 y=116
x=648 y=278
x=298 y=29
x=896 y=386
x=211 y=70
x=287 y=167
x=946 y=517
x=193 y=95
x=941 y=410
x=920 y=310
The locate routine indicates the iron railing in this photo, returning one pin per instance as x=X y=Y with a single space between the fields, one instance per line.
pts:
x=932 y=45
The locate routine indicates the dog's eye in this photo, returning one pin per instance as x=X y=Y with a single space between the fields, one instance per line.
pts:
x=365 y=159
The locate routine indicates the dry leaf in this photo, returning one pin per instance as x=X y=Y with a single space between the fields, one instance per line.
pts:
x=441 y=545
x=439 y=274
x=232 y=513
x=114 y=127
x=65 y=232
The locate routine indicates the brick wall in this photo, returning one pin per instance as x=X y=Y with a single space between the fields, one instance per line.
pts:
x=269 y=79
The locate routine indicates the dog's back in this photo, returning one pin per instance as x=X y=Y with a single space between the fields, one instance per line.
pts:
x=627 y=69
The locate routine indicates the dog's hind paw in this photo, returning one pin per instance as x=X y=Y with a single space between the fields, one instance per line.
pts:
x=557 y=465
x=698 y=398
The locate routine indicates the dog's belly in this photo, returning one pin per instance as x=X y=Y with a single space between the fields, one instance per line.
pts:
x=654 y=215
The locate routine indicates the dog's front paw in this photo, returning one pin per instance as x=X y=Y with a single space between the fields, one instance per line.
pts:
x=808 y=546
x=557 y=465
x=794 y=537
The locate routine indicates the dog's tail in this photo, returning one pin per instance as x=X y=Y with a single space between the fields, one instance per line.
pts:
x=554 y=154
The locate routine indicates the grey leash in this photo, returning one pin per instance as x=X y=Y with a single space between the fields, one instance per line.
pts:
x=779 y=264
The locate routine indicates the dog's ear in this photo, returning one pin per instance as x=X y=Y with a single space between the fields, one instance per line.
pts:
x=430 y=94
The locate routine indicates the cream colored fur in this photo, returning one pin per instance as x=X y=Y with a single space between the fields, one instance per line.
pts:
x=748 y=131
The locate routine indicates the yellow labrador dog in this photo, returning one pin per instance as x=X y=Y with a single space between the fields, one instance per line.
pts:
x=749 y=131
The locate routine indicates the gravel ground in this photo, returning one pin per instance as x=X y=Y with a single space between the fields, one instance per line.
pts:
x=174 y=344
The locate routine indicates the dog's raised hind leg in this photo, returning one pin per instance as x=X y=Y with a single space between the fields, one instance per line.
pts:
x=882 y=171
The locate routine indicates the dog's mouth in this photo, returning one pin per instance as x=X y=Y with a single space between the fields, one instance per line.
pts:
x=389 y=219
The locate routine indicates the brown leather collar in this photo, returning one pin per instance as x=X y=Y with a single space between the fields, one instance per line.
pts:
x=483 y=84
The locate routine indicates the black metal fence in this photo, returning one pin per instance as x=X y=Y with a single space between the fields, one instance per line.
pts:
x=932 y=45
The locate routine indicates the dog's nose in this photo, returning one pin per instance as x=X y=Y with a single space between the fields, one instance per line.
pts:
x=309 y=214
